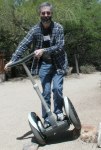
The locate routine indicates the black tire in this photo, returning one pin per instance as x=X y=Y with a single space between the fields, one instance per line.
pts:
x=40 y=138
x=72 y=114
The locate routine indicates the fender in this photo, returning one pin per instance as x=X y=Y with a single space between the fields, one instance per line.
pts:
x=32 y=118
x=66 y=105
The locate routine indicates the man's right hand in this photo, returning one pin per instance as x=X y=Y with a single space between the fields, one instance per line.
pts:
x=38 y=53
x=6 y=68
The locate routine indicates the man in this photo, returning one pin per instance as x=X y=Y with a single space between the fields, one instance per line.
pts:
x=47 y=38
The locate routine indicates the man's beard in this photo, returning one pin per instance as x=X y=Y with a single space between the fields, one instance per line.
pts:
x=46 y=19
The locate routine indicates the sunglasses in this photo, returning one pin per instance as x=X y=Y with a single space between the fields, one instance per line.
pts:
x=46 y=12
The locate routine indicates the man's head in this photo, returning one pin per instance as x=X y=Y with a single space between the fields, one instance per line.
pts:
x=45 y=12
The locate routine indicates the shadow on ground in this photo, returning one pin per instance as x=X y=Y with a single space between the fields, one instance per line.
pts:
x=68 y=135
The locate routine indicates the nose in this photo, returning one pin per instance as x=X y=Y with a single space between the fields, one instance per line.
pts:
x=46 y=14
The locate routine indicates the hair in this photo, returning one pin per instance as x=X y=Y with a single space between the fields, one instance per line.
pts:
x=45 y=4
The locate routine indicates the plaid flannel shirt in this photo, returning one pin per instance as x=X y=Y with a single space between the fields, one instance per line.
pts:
x=56 y=48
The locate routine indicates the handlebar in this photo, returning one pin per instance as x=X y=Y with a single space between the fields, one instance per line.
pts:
x=21 y=60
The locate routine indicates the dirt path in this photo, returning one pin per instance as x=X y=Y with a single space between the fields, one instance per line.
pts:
x=17 y=99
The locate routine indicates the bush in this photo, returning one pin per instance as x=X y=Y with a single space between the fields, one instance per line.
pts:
x=87 y=69
x=81 y=22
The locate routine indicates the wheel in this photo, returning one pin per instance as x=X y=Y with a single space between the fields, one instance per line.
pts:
x=71 y=113
x=33 y=122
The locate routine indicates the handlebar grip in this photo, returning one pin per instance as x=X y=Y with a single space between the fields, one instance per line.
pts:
x=21 y=60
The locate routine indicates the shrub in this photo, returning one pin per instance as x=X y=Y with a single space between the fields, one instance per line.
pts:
x=87 y=69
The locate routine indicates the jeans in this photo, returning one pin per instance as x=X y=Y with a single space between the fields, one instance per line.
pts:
x=48 y=75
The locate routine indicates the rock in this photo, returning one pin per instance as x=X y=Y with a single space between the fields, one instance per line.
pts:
x=89 y=134
x=70 y=70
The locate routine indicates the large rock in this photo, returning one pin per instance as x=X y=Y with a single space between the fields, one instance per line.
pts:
x=91 y=134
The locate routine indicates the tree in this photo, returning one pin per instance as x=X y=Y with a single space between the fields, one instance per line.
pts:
x=81 y=20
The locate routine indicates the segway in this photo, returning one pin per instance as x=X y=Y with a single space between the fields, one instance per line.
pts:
x=40 y=132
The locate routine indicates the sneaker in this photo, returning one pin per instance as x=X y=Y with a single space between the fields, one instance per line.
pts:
x=60 y=117
x=46 y=123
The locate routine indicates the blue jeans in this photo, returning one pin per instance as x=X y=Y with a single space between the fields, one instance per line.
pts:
x=48 y=75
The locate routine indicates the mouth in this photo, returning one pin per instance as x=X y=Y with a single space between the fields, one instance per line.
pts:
x=46 y=19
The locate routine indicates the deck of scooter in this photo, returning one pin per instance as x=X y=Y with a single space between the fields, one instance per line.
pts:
x=60 y=127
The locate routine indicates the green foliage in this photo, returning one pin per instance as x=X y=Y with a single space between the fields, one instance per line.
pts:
x=87 y=69
x=84 y=38
x=81 y=20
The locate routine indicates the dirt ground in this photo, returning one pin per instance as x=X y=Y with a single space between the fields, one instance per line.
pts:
x=17 y=99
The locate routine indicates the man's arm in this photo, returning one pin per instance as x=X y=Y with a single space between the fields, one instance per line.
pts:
x=21 y=48
x=23 y=45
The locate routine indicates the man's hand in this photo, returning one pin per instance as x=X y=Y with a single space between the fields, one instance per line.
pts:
x=6 y=68
x=38 y=53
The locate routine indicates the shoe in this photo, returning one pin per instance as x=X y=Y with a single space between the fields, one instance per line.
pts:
x=60 y=117
x=46 y=123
